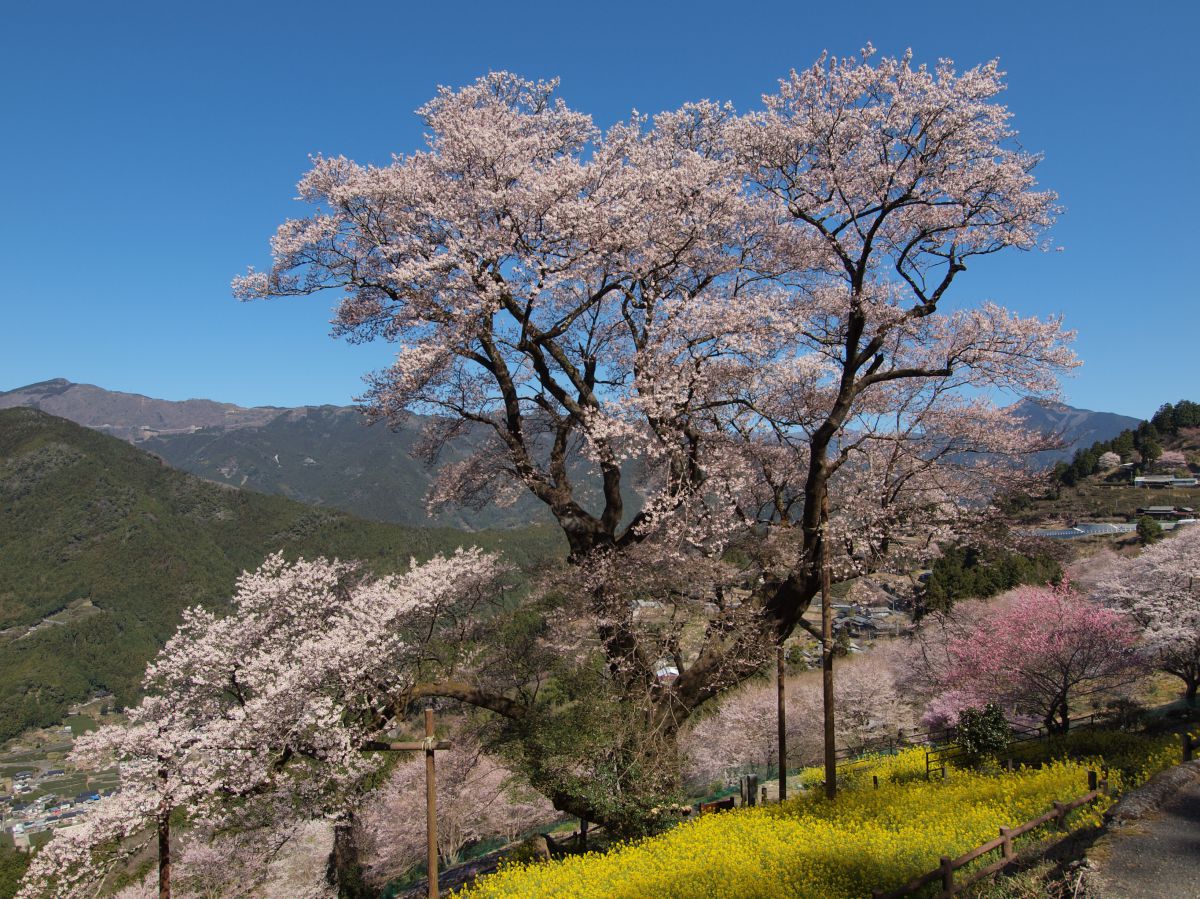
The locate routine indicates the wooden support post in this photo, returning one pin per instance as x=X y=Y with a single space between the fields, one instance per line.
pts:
x=947 y=875
x=763 y=795
x=1060 y=813
x=431 y=832
x=781 y=717
x=583 y=829
x=1092 y=780
x=429 y=746
x=827 y=704
x=1189 y=747
x=1006 y=848
x=875 y=780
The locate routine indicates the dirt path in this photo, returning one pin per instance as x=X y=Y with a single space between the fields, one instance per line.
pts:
x=1153 y=846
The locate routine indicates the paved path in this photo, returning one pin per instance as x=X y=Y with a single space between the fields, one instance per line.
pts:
x=1153 y=849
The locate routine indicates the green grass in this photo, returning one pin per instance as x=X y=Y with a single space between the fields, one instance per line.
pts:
x=80 y=724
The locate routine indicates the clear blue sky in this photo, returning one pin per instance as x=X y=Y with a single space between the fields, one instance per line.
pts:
x=148 y=150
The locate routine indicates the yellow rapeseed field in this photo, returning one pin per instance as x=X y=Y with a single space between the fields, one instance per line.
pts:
x=808 y=847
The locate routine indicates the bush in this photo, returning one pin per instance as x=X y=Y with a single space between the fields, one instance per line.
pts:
x=982 y=731
x=1148 y=530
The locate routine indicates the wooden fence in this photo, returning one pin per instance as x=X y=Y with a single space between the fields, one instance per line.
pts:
x=945 y=870
x=937 y=757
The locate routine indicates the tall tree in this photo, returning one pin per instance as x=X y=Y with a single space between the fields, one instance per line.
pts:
x=736 y=317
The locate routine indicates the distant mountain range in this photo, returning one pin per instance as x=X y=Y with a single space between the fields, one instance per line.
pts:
x=320 y=455
x=1079 y=427
x=328 y=456
x=102 y=546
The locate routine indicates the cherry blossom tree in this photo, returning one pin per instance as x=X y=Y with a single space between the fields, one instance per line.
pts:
x=1038 y=652
x=259 y=718
x=1161 y=589
x=735 y=317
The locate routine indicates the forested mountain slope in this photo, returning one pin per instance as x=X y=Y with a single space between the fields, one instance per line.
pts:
x=102 y=545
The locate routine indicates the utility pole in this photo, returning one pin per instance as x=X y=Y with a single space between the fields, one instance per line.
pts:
x=780 y=696
x=827 y=658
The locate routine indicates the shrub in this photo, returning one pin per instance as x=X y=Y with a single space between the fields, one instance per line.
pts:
x=982 y=731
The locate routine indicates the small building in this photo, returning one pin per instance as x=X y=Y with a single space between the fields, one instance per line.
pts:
x=1164 y=481
x=1167 y=513
x=665 y=671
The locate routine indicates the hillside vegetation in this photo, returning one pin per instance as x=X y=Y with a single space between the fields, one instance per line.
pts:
x=102 y=546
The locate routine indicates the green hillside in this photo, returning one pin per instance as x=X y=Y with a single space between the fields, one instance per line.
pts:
x=102 y=545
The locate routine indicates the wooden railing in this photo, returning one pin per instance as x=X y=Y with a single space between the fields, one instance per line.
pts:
x=937 y=758
x=947 y=867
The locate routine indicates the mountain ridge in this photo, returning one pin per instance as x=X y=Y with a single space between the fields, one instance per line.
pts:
x=326 y=455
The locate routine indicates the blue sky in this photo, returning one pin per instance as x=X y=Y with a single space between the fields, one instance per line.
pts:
x=149 y=150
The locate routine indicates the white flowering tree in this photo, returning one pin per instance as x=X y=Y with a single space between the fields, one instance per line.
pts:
x=258 y=718
x=1161 y=588
x=737 y=318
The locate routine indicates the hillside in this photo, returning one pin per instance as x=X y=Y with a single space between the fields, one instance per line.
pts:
x=1109 y=495
x=321 y=455
x=131 y=416
x=329 y=456
x=102 y=545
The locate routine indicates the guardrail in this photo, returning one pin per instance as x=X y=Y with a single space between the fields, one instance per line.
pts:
x=947 y=867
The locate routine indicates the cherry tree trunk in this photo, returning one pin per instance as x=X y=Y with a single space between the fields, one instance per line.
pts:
x=344 y=871
x=164 y=855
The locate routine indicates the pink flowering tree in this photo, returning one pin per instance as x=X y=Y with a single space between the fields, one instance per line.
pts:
x=1034 y=655
x=258 y=718
x=1161 y=589
x=735 y=319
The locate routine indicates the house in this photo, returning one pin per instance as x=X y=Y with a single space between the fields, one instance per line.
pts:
x=1167 y=513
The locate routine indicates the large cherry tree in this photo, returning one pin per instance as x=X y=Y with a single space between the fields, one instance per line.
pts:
x=738 y=319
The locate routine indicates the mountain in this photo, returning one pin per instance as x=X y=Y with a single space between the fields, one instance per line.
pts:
x=328 y=456
x=132 y=416
x=321 y=455
x=1077 y=428
x=102 y=545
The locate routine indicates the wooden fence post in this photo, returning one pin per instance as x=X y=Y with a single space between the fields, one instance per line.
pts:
x=1188 y=747
x=1092 y=780
x=763 y=793
x=1006 y=848
x=1060 y=812
x=875 y=780
x=947 y=875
